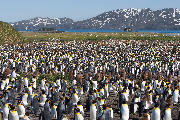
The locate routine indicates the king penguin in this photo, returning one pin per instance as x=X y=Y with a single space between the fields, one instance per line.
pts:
x=45 y=114
x=5 y=111
x=25 y=99
x=34 y=82
x=80 y=107
x=13 y=114
x=20 y=109
x=75 y=98
x=78 y=115
x=167 y=113
x=53 y=111
x=175 y=96
x=26 y=81
x=93 y=111
x=42 y=99
x=155 y=115
x=124 y=111
x=60 y=109
x=106 y=113
x=35 y=105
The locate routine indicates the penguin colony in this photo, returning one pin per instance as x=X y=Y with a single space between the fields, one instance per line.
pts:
x=105 y=80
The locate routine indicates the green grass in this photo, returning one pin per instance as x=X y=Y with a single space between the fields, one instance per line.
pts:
x=49 y=77
x=35 y=36
x=8 y=34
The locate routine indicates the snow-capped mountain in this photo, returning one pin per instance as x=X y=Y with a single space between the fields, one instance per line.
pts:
x=165 y=19
x=38 y=22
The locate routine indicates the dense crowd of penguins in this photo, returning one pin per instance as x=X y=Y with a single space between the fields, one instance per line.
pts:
x=144 y=75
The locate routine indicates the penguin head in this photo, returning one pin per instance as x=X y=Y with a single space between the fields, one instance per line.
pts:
x=124 y=102
x=107 y=107
x=30 y=85
x=77 y=111
x=79 y=103
x=43 y=78
x=110 y=107
x=12 y=107
x=101 y=89
x=9 y=88
x=64 y=94
x=93 y=103
x=104 y=107
x=94 y=91
x=102 y=99
x=156 y=104
x=48 y=101
x=13 y=68
x=124 y=91
x=98 y=98
x=74 y=93
x=43 y=92
x=81 y=88
x=1 y=96
x=25 y=77
x=6 y=105
x=19 y=102
x=176 y=88
x=53 y=104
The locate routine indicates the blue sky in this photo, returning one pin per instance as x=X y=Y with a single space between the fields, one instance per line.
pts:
x=14 y=10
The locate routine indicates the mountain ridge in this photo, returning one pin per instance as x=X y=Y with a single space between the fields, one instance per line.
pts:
x=137 y=19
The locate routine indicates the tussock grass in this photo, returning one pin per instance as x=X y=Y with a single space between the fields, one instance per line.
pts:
x=8 y=34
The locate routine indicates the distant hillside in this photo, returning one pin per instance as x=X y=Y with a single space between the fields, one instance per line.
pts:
x=8 y=34
x=38 y=23
x=137 y=19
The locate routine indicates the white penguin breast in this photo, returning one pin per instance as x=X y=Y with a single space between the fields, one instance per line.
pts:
x=21 y=109
x=156 y=114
